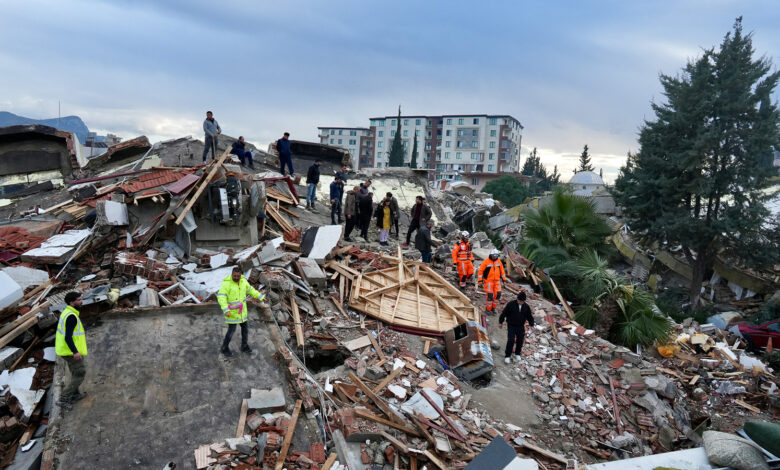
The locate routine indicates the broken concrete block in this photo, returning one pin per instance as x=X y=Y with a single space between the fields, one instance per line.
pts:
x=9 y=355
x=111 y=213
x=254 y=421
x=662 y=385
x=26 y=277
x=267 y=400
x=375 y=373
x=313 y=273
x=234 y=442
x=10 y=291
x=398 y=391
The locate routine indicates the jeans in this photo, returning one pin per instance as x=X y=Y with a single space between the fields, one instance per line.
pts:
x=311 y=193
x=229 y=335
x=285 y=160
x=335 y=210
x=210 y=144
x=427 y=257
x=77 y=372
x=245 y=156
x=412 y=227
x=514 y=335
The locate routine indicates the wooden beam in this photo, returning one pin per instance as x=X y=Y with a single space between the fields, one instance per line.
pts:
x=202 y=186
x=444 y=303
x=563 y=302
x=10 y=326
x=288 y=436
x=377 y=401
x=387 y=380
x=331 y=460
x=242 y=418
x=297 y=319
x=436 y=461
x=398 y=444
x=375 y=344
x=378 y=419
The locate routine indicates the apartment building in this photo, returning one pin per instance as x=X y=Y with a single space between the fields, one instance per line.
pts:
x=474 y=148
x=357 y=141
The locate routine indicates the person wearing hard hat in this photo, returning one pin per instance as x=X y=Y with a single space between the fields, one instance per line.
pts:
x=463 y=258
x=491 y=274
x=232 y=297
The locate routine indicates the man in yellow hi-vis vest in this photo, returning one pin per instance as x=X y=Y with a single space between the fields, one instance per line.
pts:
x=70 y=344
x=232 y=299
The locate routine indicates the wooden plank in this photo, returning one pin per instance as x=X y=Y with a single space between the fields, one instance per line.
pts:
x=24 y=354
x=398 y=444
x=377 y=401
x=563 y=302
x=387 y=379
x=436 y=461
x=443 y=302
x=242 y=419
x=357 y=343
x=5 y=340
x=288 y=436
x=375 y=344
x=202 y=186
x=378 y=419
x=544 y=452
x=446 y=418
x=330 y=461
x=33 y=312
x=747 y=406
x=297 y=319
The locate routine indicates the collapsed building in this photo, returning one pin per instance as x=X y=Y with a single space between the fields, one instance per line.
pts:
x=364 y=356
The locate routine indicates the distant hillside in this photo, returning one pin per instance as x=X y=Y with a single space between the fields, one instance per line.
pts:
x=68 y=123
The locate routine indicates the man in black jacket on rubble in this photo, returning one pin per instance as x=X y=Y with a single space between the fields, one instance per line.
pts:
x=516 y=313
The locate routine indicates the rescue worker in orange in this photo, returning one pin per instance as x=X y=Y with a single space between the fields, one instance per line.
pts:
x=463 y=258
x=492 y=274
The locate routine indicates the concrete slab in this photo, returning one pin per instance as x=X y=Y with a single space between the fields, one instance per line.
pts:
x=10 y=291
x=313 y=273
x=26 y=277
x=267 y=401
x=158 y=388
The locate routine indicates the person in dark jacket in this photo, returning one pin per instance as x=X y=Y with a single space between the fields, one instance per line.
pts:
x=394 y=209
x=284 y=149
x=424 y=243
x=365 y=210
x=239 y=149
x=336 y=191
x=421 y=213
x=351 y=212
x=516 y=313
x=312 y=180
x=343 y=175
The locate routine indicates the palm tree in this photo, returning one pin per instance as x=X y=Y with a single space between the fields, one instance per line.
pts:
x=614 y=309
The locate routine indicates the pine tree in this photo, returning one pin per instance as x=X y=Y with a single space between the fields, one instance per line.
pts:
x=601 y=173
x=530 y=165
x=699 y=177
x=413 y=162
x=397 y=148
x=584 y=161
x=555 y=177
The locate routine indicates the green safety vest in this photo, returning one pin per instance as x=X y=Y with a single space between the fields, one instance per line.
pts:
x=79 y=338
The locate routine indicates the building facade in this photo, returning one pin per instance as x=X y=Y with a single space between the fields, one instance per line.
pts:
x=357 y=141
x=473 y=148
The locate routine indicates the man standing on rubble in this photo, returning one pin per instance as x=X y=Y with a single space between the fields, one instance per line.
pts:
x=336 y=191
x=351 y=212
x=312 y=180
x=421 y=213
x=424 y=242
x=516 y=313
x=284 y=149
x=365 y=210
x=394 y=208
x=232 y=297
x=239 y=149
x=212 y=130
x=70 y=343
x=463 y=258
x=492 y=274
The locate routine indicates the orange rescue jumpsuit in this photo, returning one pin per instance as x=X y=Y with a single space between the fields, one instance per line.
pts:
x=463 y=259
x=491 y=273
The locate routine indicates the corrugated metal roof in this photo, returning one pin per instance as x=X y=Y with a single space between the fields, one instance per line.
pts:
x=154 y=179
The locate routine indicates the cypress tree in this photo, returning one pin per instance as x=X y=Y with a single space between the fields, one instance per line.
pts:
x=396 y=157
x=584 y=161
x=413 y=162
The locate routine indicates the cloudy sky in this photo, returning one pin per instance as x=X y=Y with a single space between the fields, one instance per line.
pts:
x=573 y=72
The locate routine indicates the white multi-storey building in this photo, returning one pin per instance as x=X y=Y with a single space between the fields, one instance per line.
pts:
x=474 y=148
x=357 y=141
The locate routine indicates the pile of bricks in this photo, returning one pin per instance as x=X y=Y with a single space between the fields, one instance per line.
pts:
x=297 y=378
x=138 y=265
x=18 y=240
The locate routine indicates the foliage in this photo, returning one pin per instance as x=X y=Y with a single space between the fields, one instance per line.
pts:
x=768 y=311
x=698 y=179
x=615 y=309
x=563 y=229
x=508 y=190
x=540 y=181
x=584 y=161
x=413 y=161
x=396 y=157
x=773 y=359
